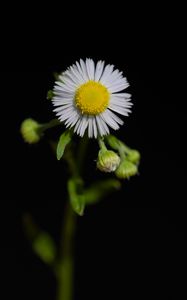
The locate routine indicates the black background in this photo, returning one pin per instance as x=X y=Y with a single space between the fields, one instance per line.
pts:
x=133 y=243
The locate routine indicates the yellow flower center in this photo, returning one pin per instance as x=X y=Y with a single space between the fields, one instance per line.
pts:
x=92 y=98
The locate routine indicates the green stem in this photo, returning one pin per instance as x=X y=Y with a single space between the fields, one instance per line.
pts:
x=65 y=266
x=102 y=144
x=122 y=153
x=126 y=149
x=51 y=124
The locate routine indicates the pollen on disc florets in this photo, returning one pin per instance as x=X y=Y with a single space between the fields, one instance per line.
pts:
x=92 y=98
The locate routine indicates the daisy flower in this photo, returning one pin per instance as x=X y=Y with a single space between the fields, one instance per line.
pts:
x=88 y=97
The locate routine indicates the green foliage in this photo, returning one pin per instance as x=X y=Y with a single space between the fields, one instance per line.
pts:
x=50 y=95
x=41 y=241
x=126 y=169
x=100 y=189
x=91 y=195
x=113 y=142
x=64 y=140
x=77 y=200
x=56 y=75
x=134 y=156
x=44 y=247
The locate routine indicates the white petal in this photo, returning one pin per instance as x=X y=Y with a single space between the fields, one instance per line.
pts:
x=62 y=107
x=110 y=121
x=84 y=70
x=100 y=129
x=118 y=88
x=90 y=127
x=121 y=102
x=58 y=92
x=65 y=113
x=90 y=68
x=94 y=128
x=64 y=87
x=120 y=110
x=116 y=80
x=82 y=126
x=123 y=95
x=99 y=70
x=114 y=77
x=70 y=122
x=77 y=72
x=101 y=125
x=82 y=74
x=70 y=75
x=62 y=102
x=67 y=81
x=106 y=74
x=115 y=117
x=77 y=125
x=114 y=98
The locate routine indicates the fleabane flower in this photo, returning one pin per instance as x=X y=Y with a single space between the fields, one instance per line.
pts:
x=89 y=96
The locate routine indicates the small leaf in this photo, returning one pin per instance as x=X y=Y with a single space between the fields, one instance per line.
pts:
x=77 y=200
x=41 y=242
x=44 y=247
x=50 y=95
x=64 y=140
x=56 y=75
x=78 y=204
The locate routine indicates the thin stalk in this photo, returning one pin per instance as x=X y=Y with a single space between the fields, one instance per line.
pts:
x=65 y=265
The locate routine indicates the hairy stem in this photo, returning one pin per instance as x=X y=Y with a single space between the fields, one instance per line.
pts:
x=51 y=124
x=65 y=265
x=65 y=268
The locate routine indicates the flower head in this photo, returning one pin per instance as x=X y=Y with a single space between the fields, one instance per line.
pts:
x=87 y=96
x=133 y=156
x=126 y=169
x=108 y=161
x=30 y=131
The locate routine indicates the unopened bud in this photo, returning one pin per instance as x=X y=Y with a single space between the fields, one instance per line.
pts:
x=126 y=169
x=108 y=161
x=30 y=131
x=133 y=156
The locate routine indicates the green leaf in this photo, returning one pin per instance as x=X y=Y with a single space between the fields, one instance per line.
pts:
x=44 y=247
x=56 y=75
x=64 y=140
x=100 y=189
x=41 y=242
x=78 y=204
x=50 y=95
x=77 y=200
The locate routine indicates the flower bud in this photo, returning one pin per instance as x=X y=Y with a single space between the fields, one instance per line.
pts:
x=126 y=169
x=29 y=131
x=134 y=156
x=107 y=161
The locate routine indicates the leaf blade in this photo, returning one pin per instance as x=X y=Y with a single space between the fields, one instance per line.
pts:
x=77 y=200
x=64 y=140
